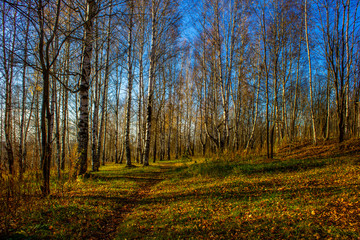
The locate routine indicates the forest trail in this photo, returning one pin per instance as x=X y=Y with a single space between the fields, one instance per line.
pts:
x=93 y=207
x=124 y=207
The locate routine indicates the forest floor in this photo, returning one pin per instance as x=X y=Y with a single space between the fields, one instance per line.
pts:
x=306 y=191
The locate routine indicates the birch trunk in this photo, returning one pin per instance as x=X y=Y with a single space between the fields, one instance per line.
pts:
x=310 y=77
x=96 y=98
x=151 y=83
x=83 y=134
x=130 y=83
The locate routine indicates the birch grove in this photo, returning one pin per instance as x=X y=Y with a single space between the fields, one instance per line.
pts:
x=90 y=82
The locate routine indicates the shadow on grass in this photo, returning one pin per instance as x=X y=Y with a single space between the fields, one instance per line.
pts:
x=225 y=168
x=279 y=227
x=245 y=195
x=131 y=178
x=60 y=222
x=79 y=215
x=139 y=175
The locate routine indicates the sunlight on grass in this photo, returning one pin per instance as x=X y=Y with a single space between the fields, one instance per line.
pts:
x=235 y=198
x=221 y=199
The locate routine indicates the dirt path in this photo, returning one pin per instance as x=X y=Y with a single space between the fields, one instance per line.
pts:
x=124 y=207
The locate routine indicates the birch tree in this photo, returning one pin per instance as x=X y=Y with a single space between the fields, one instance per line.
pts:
x=310 y=74
x=130 y=83
x=83 y=134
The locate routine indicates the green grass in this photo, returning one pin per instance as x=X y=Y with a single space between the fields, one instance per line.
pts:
x=223 y=168
x=202 y=199
x=316 y=198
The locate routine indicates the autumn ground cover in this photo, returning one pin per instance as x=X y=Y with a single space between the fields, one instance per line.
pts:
x=307 y=192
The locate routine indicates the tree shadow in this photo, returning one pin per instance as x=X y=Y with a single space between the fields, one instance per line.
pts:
x=222 y=168
x=131 y=178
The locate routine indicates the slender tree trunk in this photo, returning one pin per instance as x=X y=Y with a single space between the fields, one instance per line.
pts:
x=327 y=133
x=102 y=127
x=163 y=133
x=83 y=135
x=223 y=141
x=294 y=107
x=155 y=140
x=22 y=142
x=96 y=99
x=151 y=83
x=177 y=150
x=170 y=124
x=64 y=125
x=37 y=120
x=141 y=102
x=130 y=83
x=139 y=154
x=56 y=111
x=65 y=97
x=122 y=152
x=46 y=134
x=65 y=102
x=275 y=113
x=117 y=110
x=263 y=23
x=203 y=98
x=348 y=60
x=310 y=77
x=8 y=66
x=107 y=76
x=104 y=154
x=256 y=110
x=194 y=135
x=46 y=112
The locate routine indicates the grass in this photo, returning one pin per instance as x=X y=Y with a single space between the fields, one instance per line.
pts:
x=79 y=209
x=248 y=201
x=313 y=196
